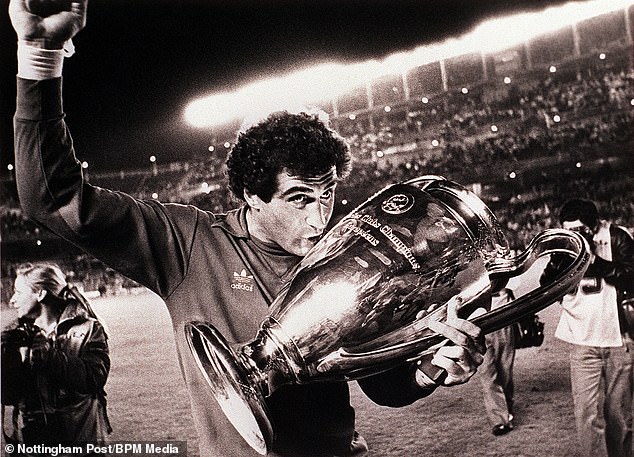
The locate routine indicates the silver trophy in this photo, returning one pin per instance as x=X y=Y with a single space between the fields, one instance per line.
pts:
x=361 y=299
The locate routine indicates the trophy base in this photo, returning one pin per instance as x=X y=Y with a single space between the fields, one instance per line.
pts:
x=229 y=382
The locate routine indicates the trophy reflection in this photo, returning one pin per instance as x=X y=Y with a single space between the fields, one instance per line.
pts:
x=361 y=299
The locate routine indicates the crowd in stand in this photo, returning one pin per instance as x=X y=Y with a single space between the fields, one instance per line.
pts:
x=595 y=121
x=533 y=211
x=542 y=119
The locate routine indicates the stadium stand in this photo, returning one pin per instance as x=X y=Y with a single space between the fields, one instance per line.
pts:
x=524 y=146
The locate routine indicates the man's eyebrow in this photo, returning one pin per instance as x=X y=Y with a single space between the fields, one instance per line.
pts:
x=297 y=189
x=305 y=189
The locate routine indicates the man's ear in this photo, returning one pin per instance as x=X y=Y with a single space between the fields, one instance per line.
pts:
x=41 y=295
x=253 y=200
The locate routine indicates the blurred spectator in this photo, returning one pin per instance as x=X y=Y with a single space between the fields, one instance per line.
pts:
x=496 y=372
x=55 y=362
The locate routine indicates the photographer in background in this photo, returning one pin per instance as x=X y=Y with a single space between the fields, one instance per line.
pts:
x=594 y=323
x=55 y=362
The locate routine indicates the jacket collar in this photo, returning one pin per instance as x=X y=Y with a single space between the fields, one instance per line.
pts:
x=71 y=313
x=234 y=222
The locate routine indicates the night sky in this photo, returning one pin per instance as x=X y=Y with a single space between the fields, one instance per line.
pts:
x=139 y=62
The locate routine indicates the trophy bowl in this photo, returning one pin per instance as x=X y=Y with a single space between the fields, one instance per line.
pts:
x=360 y=301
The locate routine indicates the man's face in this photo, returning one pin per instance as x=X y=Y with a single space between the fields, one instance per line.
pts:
x=298 y=212
x=25 y=299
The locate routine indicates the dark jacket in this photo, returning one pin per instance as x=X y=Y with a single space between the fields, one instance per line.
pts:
x=186 y=256
x=60 y=396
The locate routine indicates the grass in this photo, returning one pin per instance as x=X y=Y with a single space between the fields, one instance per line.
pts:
x=453 y=423
x=148 y=400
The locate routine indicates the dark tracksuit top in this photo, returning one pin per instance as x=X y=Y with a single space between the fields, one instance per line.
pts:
x=183 y=254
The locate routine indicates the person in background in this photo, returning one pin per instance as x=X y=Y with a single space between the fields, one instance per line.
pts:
x=285 y=170
x=496 y=372
x=601 y=346
x=55 y=362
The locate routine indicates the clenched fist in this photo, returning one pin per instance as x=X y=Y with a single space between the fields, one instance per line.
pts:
x=47 y=24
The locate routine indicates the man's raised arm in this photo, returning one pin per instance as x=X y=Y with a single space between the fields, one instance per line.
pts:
x=114 y=227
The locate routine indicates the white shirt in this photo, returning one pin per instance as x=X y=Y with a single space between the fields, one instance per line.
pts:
x=589 y=314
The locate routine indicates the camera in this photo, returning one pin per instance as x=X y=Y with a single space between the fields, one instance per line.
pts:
x=20 y=336
x=585 y=232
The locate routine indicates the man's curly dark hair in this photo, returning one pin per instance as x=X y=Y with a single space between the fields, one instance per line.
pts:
x=300 y=144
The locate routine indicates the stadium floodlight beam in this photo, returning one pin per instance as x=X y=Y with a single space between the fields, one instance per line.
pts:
x=329 y=80
x=290 y=92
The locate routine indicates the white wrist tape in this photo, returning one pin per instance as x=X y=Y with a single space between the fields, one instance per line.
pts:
x=39 y=64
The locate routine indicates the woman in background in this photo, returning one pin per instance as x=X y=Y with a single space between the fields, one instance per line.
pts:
x=55 y=362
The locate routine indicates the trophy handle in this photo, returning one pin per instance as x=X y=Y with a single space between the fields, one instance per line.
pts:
x=481 y=224
x=545 y=243
x=500 y=270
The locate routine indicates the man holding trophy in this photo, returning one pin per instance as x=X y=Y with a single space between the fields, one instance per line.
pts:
x=411 y=266
x=189 y=256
